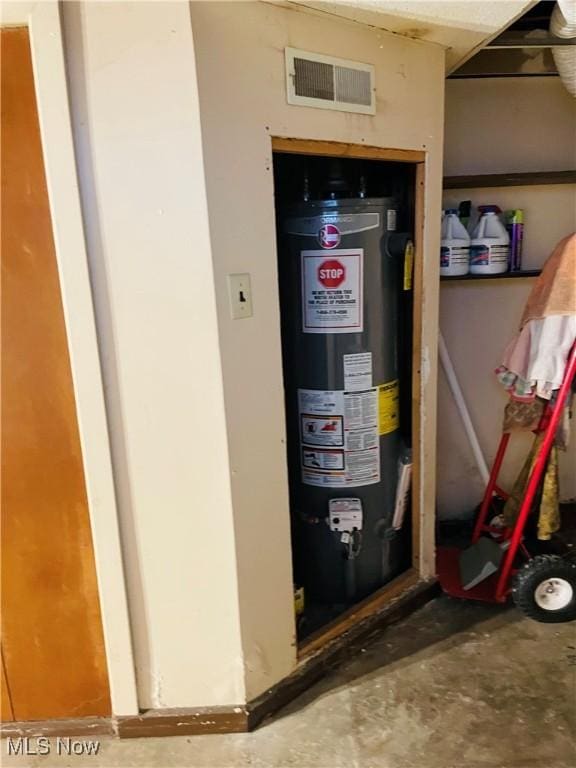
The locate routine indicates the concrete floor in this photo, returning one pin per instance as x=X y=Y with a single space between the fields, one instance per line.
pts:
x=458 y=685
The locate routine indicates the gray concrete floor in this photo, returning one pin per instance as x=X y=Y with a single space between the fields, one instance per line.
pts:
x=457 y=685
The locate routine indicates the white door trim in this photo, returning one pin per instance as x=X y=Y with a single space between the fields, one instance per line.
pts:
x=43 y=22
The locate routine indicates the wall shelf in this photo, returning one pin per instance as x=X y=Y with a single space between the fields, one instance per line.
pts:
x=480 y=181
x=503 y=276
x=510 y=179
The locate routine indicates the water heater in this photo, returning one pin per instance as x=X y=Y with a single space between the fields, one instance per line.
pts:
x=341 y=273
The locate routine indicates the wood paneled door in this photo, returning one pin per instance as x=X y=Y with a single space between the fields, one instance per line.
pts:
x=53 y=656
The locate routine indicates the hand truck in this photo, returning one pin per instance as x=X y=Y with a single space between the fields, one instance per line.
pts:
x=542 y=586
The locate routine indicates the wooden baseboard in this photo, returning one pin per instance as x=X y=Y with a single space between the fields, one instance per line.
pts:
x=383 y=598
x=320 y=655
x=165 y=722
x=184 y=722
x=338 y=650
x=86 y=727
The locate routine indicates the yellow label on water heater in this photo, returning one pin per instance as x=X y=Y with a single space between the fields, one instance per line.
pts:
x=388 y=407
x=408 y=265
x=299 y=604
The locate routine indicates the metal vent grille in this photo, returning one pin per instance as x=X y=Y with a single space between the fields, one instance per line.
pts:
x=353 y=86
x=314 y=80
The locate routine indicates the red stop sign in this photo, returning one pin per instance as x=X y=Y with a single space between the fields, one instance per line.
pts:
x=331 y=273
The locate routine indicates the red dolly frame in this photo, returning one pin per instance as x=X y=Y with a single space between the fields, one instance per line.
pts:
x=496 y=588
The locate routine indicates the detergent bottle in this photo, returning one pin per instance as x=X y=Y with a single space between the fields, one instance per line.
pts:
x=490 y=244
x=454 y=246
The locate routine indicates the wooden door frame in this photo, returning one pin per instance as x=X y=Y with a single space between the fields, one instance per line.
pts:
x=44 y=29
x=404 y=585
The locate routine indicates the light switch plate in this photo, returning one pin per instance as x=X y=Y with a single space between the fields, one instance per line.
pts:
x=240 y=293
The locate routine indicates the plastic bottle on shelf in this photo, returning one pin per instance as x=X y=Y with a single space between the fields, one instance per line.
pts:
x=454 y=246
x=490 y=244
x=515 y=228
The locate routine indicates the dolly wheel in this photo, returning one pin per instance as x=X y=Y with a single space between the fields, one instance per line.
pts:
x=545 y=589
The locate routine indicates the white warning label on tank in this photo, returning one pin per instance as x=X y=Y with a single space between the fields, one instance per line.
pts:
x=362 y=467
x=362 y=442
x=339 y=439
x=322 y=430
x=321 y=402
x=332 y=291
x=357 y=371
x=322 y=458
x=361 y=410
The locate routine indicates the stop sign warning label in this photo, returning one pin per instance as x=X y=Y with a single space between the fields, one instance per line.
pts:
x=332 y=293
x=331 y=273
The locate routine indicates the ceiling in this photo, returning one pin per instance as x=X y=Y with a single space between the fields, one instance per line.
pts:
x=461 y=27
x=524 y=49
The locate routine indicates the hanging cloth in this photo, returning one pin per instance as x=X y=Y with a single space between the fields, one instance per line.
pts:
x=532 y=371
x=534 y=362
x=554 y=292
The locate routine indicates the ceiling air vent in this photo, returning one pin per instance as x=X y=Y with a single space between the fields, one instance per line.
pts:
x=314 y=80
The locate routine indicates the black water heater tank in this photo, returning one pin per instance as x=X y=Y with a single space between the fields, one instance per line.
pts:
x=340 y=272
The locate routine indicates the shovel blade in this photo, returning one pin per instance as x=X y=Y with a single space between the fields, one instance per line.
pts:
x=479 y=561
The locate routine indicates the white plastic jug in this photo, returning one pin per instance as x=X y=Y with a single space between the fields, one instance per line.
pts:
x=454 y=246
x=490 y=244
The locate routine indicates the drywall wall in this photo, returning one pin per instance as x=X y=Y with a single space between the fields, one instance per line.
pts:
x=194 y=399
x=494 y=126
x=134 y=107
x=240 y=60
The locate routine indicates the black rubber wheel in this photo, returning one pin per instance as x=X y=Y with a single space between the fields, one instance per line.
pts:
x=545 y=589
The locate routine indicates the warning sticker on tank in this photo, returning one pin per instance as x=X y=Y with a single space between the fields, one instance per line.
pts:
x=322 y=430
x=363 y=467
x=388 y=407
x=322 y=458
x=358 y=371
x=361 y=410
x=332 y=418
x=332 y=291
x=321 y=402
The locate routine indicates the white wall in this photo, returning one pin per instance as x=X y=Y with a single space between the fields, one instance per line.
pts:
x=135 y=113
x=495 y=126
x=194 y=399
x=240 y=60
